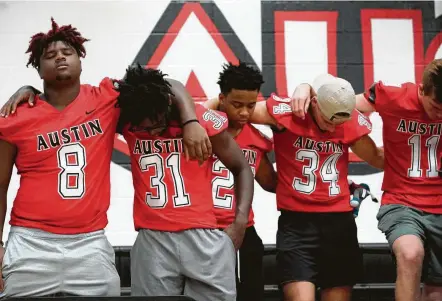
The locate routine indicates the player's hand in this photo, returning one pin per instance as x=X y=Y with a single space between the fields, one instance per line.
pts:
x=301 y=100
x=24 y=94
x=196 y=142
x=236 y=232
x=2 y=253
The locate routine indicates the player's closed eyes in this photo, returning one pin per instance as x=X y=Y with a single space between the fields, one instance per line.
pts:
x=52 y=54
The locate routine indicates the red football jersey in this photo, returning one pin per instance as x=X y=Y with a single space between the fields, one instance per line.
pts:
x=254 y=146
x=64 y=161
x=411 y=146
x=172 y=194
x=312 y=165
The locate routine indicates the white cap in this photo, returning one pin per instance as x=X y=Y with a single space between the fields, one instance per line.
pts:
x=335 y=95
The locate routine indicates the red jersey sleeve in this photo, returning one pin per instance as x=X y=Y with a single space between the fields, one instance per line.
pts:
x=106 y=90
x=213 y=121
x=357 y=127
x=382 y=96
x=261 y=141
x=280 y=109
x=12 y=128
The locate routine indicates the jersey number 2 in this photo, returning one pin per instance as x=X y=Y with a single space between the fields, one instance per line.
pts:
x=329 y=173
x=220 y=182
x=71 y=160
x=171 y=163
x=415 y=171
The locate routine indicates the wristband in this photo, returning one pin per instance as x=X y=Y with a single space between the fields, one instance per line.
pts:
x=190 y=121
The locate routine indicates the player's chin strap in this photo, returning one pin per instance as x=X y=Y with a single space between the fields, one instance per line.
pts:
x=359 y=193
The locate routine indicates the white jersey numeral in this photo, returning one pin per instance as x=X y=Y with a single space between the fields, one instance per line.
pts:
x=415 y=171
x=329 y=172
x=159 y=198
x=220 y=182
x=71 y=160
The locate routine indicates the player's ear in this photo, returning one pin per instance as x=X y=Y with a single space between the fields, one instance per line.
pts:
x=421 y=89
x=222 y=100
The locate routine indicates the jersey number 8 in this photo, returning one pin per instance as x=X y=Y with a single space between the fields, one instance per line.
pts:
x=71 y=160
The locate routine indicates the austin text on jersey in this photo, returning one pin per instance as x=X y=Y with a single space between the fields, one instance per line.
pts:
x=321 y=146
x=158 y=146
x=415 y=127
x=74 y=133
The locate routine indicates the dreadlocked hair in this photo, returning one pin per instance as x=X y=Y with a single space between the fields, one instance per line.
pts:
x=240 y=77
x=40 y=41
x=144 y=93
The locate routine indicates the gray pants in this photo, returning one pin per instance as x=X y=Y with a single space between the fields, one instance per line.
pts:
x=199 y=263
x=37 y=263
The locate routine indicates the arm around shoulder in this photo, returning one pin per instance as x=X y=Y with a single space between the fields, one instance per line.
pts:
x=183 y=100
x=363 y=104
x=212 y=104
x=366 y=149
x=261 y=115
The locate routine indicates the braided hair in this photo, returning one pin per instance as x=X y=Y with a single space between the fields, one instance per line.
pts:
x=40 y=41
x=144 y=93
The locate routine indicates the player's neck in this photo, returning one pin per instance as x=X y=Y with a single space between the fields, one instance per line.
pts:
x=314 y=116
x=234 y=131
x=61 y=96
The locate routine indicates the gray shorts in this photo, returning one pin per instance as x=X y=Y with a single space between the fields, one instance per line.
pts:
x=398 y=220
x=37 y=263
x=199 y=263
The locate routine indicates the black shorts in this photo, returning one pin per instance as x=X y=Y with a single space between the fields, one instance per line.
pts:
x=321 y=248
x=398 y=220
x=251 y=271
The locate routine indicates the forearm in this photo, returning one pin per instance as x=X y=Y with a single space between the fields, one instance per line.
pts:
x=368 y=152
x=244 y=194
x=378 y=159
x=183 y=101
x=261 y=116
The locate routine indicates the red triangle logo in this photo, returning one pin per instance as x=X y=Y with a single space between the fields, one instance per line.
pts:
x=194 y=87
x=174 y=30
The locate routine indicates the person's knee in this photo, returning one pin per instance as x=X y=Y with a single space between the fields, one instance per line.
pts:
x=432 y=293
x=340 y=293
x=299 y=291
x=409 y=251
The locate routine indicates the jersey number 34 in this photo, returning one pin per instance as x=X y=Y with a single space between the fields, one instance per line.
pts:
x=328 y=172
